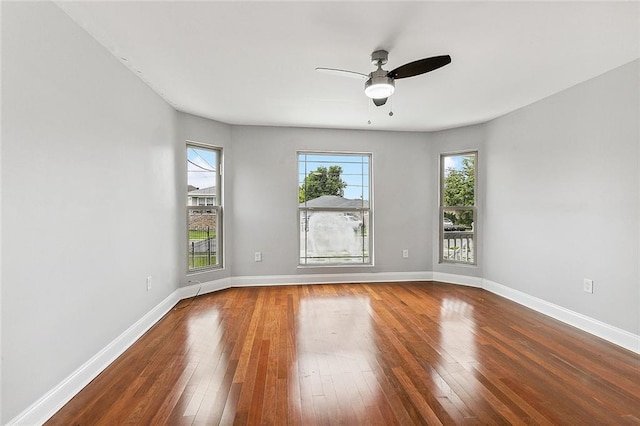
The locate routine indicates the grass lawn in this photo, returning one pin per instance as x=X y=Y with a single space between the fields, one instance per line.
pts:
x=200 y=235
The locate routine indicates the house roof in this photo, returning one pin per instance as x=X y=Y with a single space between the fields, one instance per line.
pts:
x=204 y=191
x=334 y=201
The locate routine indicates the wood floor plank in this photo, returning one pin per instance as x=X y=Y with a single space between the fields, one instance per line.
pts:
x=368 y=353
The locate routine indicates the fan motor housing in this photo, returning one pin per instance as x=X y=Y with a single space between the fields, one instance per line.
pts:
x=379 y=57
x=379 y=85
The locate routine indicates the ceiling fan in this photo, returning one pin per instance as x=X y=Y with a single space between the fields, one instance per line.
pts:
x=380 y=84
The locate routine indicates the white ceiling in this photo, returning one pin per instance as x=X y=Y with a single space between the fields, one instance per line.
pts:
x=253 y=62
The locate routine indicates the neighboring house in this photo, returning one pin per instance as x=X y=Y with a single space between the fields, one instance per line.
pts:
x=201 y=220
x=334 y=201
x=331 y=202
x=201 y=197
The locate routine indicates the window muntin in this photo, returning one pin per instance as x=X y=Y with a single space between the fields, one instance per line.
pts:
x=334 y=209
x=458 y=189
x=204 y=211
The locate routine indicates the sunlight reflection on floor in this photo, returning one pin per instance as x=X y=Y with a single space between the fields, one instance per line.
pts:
x=334 y=361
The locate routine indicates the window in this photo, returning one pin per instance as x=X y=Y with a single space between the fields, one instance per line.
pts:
x=204 y=201
x=458 y=207
x=334 y=208
x=204 y=211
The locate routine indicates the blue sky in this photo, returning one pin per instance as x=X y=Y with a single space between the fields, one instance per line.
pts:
x=454 y=162
x=201 y=167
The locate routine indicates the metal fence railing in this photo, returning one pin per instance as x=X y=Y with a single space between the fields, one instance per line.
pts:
x=203 y=248
x=458 y=246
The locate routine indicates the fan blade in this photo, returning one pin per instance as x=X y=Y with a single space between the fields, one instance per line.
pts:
x=420 y=66
x=343 y=73
x=379 y=102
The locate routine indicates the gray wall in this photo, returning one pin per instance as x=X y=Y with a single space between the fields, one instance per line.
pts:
x=562 y=203
x=90 y=202
x=266 y=199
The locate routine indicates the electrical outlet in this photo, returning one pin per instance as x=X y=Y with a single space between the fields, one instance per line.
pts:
x=148 y=283
x=588 y=285
x=405 y=253
x=258 y=256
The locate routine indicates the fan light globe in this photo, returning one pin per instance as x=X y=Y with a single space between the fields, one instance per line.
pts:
x=379 y=87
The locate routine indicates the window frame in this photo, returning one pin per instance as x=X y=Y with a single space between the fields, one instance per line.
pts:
x=217 y=208
x=442 y=209
x=358 y=210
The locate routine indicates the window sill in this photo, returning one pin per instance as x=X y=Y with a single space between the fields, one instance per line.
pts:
x=336 y=265
x=453 y=263
x=204 y=270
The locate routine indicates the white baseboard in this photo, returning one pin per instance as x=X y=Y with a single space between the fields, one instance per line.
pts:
x=457 y=279
x=45 y=407
x=203 y=288
x=603 y=330
x=41 y=410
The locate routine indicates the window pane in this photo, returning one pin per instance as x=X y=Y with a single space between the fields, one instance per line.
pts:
x=334 y=175
x=333 y=197
x=458 y=236
x=458 y=180
x=203 y=238
x=201 y=175
x=334 y=237
x=203 y=208
x=457 y=208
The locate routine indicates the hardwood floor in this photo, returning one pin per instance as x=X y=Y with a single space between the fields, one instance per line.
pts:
x=402 y=353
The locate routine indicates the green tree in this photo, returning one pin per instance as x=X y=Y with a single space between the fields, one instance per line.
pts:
x=320 y=182
x=459 y=190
